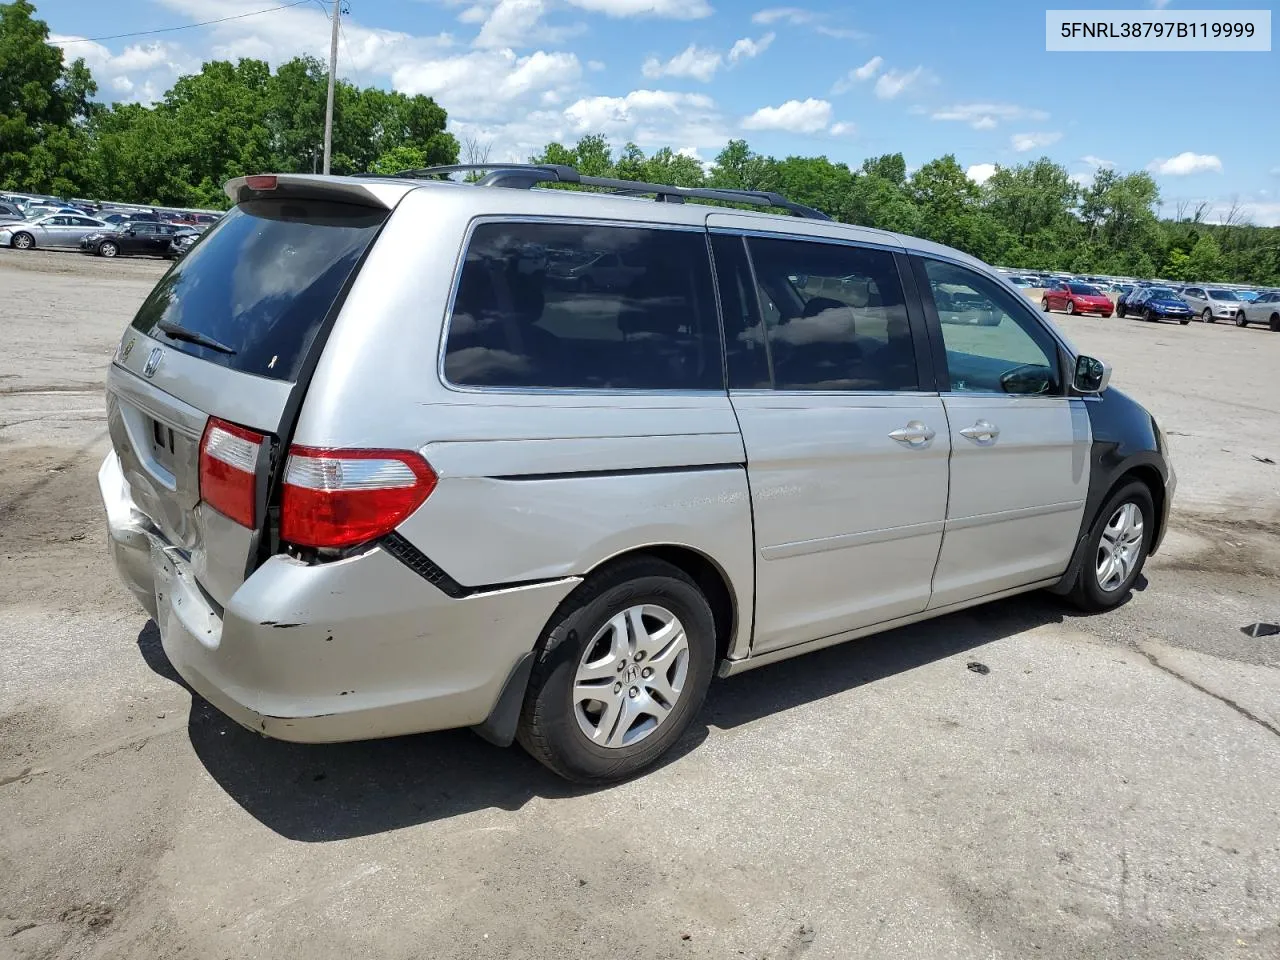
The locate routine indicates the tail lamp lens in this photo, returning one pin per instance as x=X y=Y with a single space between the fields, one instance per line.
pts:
x=339 y=498
x=228 y=470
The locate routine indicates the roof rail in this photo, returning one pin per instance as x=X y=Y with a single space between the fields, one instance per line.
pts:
x=527 y=175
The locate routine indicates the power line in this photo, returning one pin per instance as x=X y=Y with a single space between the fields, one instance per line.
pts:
x=185 y=26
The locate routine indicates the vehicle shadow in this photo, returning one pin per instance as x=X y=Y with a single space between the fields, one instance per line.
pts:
x=322 y=792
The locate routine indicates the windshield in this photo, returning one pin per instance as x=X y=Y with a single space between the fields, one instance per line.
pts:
x=1222 y=295
x=262 y=282
x=1162 y=293
x=1084 y=289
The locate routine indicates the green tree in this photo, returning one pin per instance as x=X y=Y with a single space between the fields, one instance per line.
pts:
x=1205 y=260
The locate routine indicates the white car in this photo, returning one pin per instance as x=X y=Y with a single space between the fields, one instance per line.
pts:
x=1212 y=304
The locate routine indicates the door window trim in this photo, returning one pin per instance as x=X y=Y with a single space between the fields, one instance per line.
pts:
x=455 y=283
x=943 y=373
x=927 y=384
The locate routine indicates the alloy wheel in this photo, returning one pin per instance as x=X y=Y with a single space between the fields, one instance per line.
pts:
x=1120 y=548
x=631 y=675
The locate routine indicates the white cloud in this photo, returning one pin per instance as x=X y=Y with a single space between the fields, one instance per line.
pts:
x=694 y=61
x=160 y=64
x=595 y=66
x=858 y=75
x=792 y=15
x=508 y=80
x=649 y=118
x=841 y=33
x=1158 y=4
x=518 y=23
x=985 y=116
x=476 y=14
x=893 y=83
x=1096 y=162
x=843 y=129
x=1082 y=180
x=980 y=172
x=794 y=116
x=670 y=9
x=1186 y=163
x=1022 y=142
x=746 y=48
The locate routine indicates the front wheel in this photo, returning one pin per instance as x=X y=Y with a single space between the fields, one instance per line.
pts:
x=1207 y=315
x=1071 y=307
x=1044 y=303
x=1120 y=311
x=1116 y=549
x=620 y=672
x=23 y=241
x=108 y=249
x=1185 y=322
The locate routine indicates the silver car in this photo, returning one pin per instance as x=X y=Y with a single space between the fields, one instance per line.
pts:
x=1265 y=308
x=1212 y=304
x=370 y=486
x=63 y=230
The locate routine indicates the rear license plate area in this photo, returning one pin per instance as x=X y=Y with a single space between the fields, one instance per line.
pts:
x=163 y=443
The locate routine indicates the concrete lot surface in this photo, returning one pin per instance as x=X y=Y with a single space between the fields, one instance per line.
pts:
x=1108 y=790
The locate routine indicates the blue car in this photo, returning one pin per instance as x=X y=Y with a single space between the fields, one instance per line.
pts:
x=1156 y=303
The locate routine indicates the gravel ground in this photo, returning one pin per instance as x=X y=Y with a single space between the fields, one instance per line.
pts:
x=1107 y=790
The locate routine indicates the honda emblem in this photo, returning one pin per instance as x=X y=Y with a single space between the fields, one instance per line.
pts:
x=153 y=362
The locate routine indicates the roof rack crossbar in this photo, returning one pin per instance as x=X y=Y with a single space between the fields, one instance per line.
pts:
x=527 y=175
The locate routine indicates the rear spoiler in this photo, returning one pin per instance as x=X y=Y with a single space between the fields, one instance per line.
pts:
x=382 y=194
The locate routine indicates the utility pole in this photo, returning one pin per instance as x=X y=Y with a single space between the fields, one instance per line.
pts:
x=333 y=71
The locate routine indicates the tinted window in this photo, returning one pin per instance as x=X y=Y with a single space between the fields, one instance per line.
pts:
x=1223 y=295
x=831 y=317
x=84 y=222
x=262 y=281
x=1084 y=289
x=585 y=307
x=993 y=343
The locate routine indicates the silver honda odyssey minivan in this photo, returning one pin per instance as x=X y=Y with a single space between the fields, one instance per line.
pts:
x=402 y=454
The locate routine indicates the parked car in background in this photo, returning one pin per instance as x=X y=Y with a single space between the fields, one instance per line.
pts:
x=182 y=243
x=1157 y=303
x=1077 y=298
x=126 y=216
x=135 y=238
x=1248 y=296
x=1264 y=309
x=1212 y=304
x=10 y=213
x=58 y=231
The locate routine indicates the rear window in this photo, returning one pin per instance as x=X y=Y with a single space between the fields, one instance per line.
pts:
x=261 y=282
x=585 y=307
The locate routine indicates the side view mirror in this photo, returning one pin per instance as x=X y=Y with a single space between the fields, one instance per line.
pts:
x=1091 y=376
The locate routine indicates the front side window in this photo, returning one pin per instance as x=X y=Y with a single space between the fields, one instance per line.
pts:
x=575 y=306
x=993 y=344
x=829 y=317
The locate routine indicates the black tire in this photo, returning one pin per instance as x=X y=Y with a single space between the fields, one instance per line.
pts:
x=1185 y=322
x=1241 y=319
x=1044 y=302
x=1207 y=315
x=1087 y=593
x=1148 y=316
x=549 y=728
x=1275 y=323
x=23 y=241
x=1071 y=308
x=1120 y=310
x=108 y=249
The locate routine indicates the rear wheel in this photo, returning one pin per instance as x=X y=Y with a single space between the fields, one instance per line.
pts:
x=1148 y=315
x=23 y=241
x=1185 y=321
x=1241 y=319
x=620 y=672
x=108 y=249
x=1116 y=549
x=1120 y=310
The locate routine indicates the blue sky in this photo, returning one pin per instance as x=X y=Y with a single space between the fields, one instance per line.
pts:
x=848 y=80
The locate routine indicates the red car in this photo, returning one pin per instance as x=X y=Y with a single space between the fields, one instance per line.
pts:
x=1077 y=298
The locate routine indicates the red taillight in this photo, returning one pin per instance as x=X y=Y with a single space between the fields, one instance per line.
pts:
x=337 y=498
x=261 y=181
x=228 y=470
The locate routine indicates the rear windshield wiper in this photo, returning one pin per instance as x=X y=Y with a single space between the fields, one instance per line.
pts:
x=191 y=336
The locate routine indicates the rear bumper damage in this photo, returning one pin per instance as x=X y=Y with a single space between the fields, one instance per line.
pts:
x=350 y=650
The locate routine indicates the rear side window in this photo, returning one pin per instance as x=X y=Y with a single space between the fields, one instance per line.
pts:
x=584 y=307
x=832 y=317
x=261 y=282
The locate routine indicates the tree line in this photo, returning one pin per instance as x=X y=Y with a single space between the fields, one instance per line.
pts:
x=236 y=118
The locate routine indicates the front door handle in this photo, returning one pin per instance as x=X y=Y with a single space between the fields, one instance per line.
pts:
x=914 y=434
x=981 y=432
